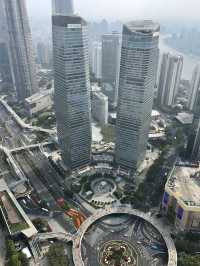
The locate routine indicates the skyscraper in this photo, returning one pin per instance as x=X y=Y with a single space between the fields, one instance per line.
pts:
x=5 y=62
x=43 y=57
x=139 y=59
x=72 y=89
x=63 y=7
x=20 y=48
x=194 y=86
x=5 y=67
x=97 y=60
x=111 y=48
x=193 y=147
x=169 y=80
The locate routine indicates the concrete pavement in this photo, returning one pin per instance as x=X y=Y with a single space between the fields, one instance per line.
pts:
x=2 y=248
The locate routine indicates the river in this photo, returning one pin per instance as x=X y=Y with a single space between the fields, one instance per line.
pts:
x=189 y=61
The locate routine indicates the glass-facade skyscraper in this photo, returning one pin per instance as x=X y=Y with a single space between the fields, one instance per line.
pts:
x=194 y=87
x=111 y=49
x=72 y=89
x=169 y=79
x=139 y=59
x=19 y=46
x=193 y=147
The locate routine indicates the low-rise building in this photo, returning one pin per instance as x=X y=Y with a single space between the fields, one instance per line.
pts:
x=39 y=102
x=184 y=118
x=100 y=107
x=13 y=216
x=155 y=115
x=181 y=200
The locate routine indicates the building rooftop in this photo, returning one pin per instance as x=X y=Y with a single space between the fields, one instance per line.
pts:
x=65 y=21
x=155 y=113
x=114 y=34
x=184 y=184
x=95 y=87
x=37 y=96
x=143 y=25
x=100 y=95
x=185 y=118
x=14 y=216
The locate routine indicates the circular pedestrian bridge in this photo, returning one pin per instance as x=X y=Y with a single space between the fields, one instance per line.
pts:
x=123 y=237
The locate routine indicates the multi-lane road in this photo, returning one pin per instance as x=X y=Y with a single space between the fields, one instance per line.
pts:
x=48 y=184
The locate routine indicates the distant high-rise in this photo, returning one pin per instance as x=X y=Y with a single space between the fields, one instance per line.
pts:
x=19 y=45
x=139 y=59
x=43 y=54
x=111 y=48
x=169 y=80
x=5 y=62
x=97 y=60
x=193 y=147
x=63 y=7
x=194 y=86
x=72 y=89
x=100 y=107
x=5 y=67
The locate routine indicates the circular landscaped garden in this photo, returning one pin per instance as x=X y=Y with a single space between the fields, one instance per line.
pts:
x=117 y=253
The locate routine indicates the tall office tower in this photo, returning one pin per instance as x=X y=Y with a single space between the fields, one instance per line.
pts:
x=43 y=54
x=139 y=59
x=111 y=49
x=20 y=48
x=97 y=60
x=169 y=80
x=193 y=147
x=5 y=67
x=194 y=86
x=72 y=89
x=63 y=7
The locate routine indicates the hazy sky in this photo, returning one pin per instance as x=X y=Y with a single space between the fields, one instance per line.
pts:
x=125 y=9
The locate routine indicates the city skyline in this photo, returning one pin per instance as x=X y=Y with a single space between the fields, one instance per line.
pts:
x=101 y=164
x=125 y=9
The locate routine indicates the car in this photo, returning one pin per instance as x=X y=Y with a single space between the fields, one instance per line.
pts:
x=24 y=201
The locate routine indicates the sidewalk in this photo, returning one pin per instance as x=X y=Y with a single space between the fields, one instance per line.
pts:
x=2 y=248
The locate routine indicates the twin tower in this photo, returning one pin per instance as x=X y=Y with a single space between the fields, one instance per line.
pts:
x=138 y=67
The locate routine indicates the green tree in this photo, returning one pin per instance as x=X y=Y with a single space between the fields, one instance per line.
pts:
x=40 y=224
x=171 y=215
x=56 y=256
x=10 y=246
x=23 y=259
x=108 y=132
x=188 y=260
x=15 y=261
